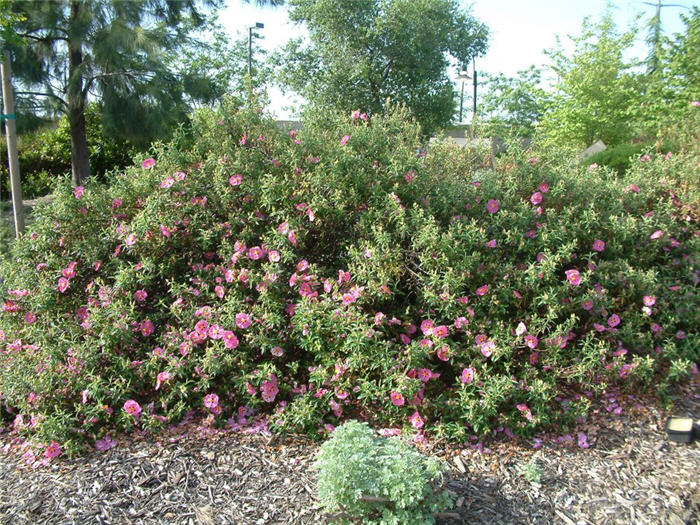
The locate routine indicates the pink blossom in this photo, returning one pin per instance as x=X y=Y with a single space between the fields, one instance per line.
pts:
x=242 y=321
x=355 y=114
x=273 y=256
x=536 y=198
x=130 y=239
x=277 y=351
x=531 y=341
x=521 y=329
x=116 y=203
x=148 y=163
x=397 y=398
x=269 y=390
x=657 y=234
x=79 y=191
x=216 y=332
x=179 y=176
x=525 y=411
x=140 y=295
x=482 y=290
x=161 y=378
x=344 y=140
x=587 y=304
x=443 y=353
x=255 y=253
x=633 y=187
x=467 y=375
x=235 y=180
x=146 y=328
x=230 y=340
x=167 y=182
x=573 y=276
x=211 y=401
x=487 y=348
x=543 y=187
x=613 y=320
x=598 y=245
x=62 y=284
x=52 y=451
x=649 y=300
x=416 y=420
x=492 y=206
x=132 y=408
x=532 y=160
x=105 y=444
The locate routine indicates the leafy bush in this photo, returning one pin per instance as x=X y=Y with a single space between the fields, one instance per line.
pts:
x=333 y=272
x=620 y=158
x=45 y=154
x=369 y=479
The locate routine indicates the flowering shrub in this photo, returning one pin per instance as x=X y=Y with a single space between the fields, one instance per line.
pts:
x=333 y=272
x=364 y=478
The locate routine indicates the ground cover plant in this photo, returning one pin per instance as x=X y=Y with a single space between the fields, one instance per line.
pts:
x=339 y=272
x=365 y=478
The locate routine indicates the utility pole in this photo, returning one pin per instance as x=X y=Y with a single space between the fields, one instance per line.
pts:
x=9 y=117
x=258 y=25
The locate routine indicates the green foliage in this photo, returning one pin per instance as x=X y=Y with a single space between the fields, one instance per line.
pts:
x=365 y=52
x=370 y=479
x=45 y=155
x=532 y=471
x=619 y=158
x=597 y=95
x=513 y=106
x=357 y=279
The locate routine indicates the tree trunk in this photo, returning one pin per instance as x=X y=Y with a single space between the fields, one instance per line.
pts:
x=79 y=153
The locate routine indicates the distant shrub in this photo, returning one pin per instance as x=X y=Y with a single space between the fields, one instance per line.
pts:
x=45 y=155
x=364 y=478
x=334 y=272
x=621 y=158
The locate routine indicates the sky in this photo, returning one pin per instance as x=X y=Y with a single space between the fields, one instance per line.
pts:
x=520 y=30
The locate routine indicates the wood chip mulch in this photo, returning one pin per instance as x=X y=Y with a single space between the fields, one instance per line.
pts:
x=631 y=474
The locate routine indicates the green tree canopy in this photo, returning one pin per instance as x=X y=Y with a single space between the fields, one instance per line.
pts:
x=512 y=106
x=123 y=53
x=597 y=94
x=365 y=52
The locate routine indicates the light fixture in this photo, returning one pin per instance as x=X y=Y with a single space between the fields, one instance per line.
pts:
x=682 y=429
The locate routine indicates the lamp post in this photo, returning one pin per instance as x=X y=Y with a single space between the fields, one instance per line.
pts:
x=463 y=75
x=258 y=25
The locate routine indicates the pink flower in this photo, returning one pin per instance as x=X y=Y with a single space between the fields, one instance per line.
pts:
x=573 y=276
x=255 y=253
x=397 y=399
x=492 y=206
x=230 y=340
x=613 y=320
x=79 y=191
x=52 y=451
x=161 y=378
x=633 y=187
x=355 y=114
x=132 y=408
x=211 y=401
x=167 y=182
x=269 y=390
x=148 y=163
x=62 y=284
x=593 y=167
x=532 y=160
x=235 y=180
x=531 y=341
x=130 y=239
x=657 y=234
x=416 y=420
x=146 y=328
x=277 y=351
x=543 y=187
x=242 y=321
x=520 y=329
x=695 y=103
x=525 y=411
x=649 y=300
x=178 y=175
x=273 y=256
x=344 y=140
x=467 y=375
x=491 y=244
x=598 y=245
x=536 y=198
x=587 y=304
x=140 y=295
x=216 y=332
x=487 y=348
x=116 y=203
x=482 y=290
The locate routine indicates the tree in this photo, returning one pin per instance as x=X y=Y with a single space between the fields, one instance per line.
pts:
x=512 y=106
x=118 y=51
x=364 y=52
x=597 y=95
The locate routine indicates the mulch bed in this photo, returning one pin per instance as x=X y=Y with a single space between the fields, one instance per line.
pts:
x=630 y=474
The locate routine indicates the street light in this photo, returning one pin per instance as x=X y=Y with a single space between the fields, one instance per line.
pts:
x=463 y=75
x=258 y=25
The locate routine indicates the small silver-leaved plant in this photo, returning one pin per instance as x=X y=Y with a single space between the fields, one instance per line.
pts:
x=365 y=478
